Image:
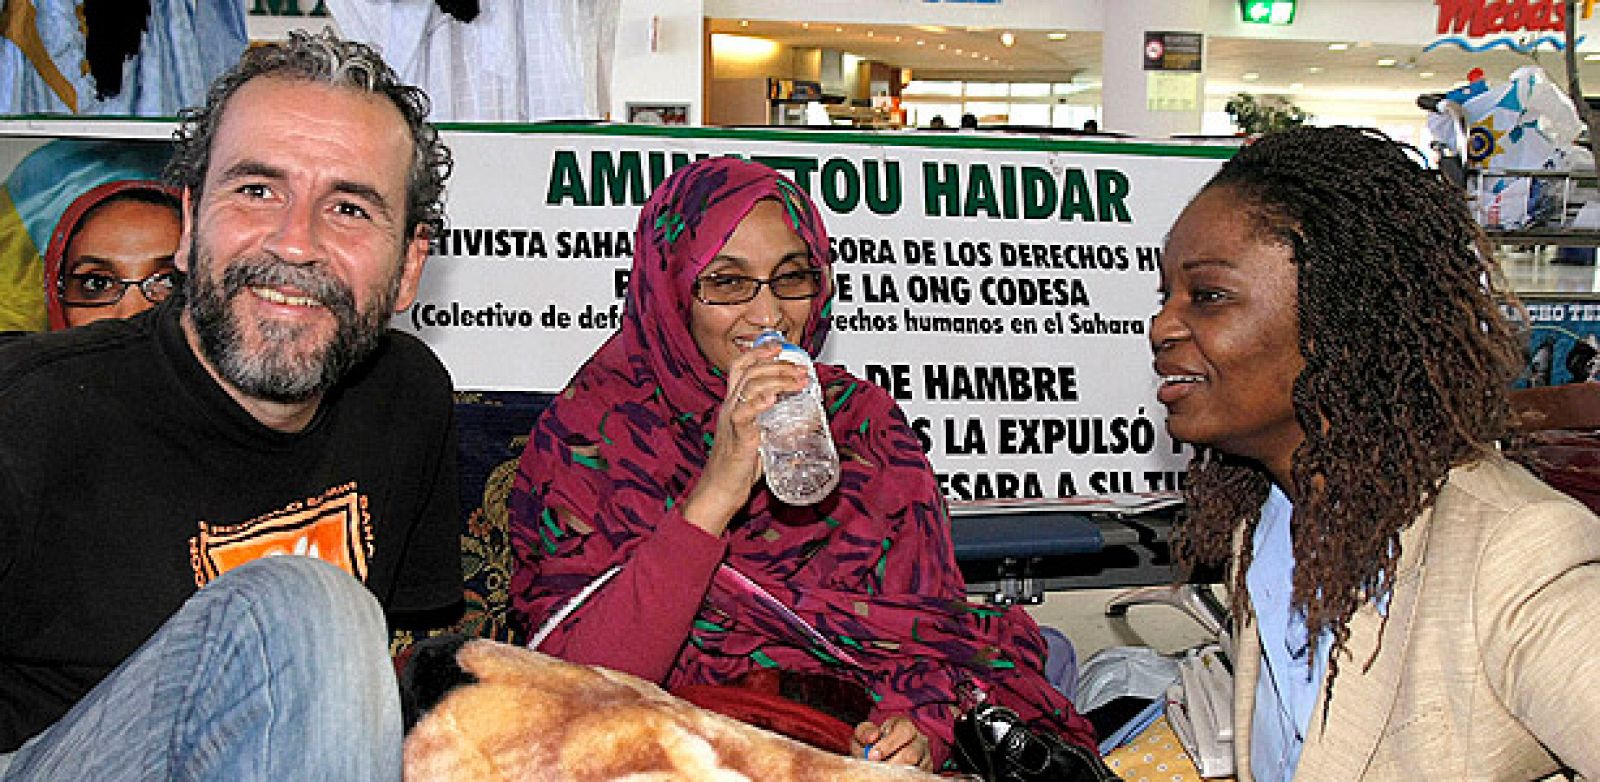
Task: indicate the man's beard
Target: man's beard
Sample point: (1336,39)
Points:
(280,369)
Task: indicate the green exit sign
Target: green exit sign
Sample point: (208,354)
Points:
(1267,11)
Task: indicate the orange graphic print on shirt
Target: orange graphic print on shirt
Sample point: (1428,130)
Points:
(332,527)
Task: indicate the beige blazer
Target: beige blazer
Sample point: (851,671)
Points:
(1489,666)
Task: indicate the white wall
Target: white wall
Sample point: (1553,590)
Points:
(673,72)
(1125,84)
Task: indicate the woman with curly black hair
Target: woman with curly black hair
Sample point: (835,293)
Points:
(1410,604)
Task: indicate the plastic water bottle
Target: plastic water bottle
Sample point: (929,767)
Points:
(797,453)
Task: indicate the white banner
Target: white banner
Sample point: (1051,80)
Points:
(999,287)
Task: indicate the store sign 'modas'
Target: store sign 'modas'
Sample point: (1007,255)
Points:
(1491,17)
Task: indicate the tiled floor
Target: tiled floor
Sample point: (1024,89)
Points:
(1533,271)
(1080,613)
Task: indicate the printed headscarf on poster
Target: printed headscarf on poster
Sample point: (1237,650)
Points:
(1503,132)
(34,196)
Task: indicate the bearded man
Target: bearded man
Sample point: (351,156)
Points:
(211,513)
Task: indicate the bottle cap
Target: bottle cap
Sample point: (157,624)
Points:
(771,335)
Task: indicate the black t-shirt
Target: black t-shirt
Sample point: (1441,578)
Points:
(128,478)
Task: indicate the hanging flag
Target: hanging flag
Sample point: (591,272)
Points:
(45,59)
(516,61)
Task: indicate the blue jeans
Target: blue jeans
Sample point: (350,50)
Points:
(278,670)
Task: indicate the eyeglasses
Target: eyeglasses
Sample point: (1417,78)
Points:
(738,289)
(95,289)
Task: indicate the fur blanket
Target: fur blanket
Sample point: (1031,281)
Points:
(488,711)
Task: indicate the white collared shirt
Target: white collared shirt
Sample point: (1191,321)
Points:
(1287,689)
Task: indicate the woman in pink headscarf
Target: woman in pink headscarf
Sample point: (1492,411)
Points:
(646,541)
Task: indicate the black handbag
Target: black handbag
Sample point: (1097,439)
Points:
(995,744)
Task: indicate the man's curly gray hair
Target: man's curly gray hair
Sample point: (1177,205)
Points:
(323,58)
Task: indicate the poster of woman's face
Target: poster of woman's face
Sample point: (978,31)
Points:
(87,230)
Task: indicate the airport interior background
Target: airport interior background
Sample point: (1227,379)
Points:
(1083,75)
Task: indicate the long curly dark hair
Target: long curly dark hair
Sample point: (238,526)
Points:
(1408,357)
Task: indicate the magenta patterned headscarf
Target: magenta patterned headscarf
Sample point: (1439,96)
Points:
(683,226)
(871,567)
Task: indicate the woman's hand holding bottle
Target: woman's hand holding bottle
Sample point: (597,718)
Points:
(755,381)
